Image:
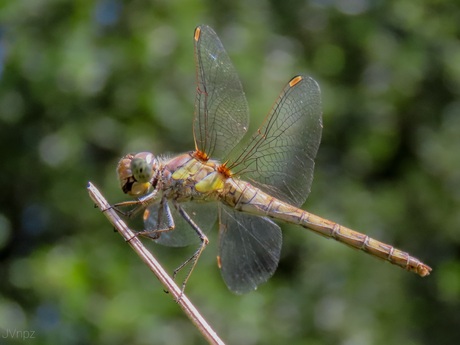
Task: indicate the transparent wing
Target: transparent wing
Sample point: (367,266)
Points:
(280,156)
(221,110)
(249,248)
(203,214)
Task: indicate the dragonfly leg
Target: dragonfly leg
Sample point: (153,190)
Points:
(139,204)
(155,233)
(194,258)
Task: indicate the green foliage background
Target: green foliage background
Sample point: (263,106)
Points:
(83,82)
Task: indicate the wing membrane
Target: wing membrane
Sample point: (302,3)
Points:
(249,248)
(221,110)
(280,156)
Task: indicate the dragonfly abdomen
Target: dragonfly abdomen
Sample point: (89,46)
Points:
(253,200)
(364,242)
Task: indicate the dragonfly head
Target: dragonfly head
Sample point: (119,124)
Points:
(136,173)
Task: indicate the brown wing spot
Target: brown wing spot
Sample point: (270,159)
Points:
(294,81)
(197,33)
(219,263)
(146,214)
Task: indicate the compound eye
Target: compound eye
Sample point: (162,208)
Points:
(142,169)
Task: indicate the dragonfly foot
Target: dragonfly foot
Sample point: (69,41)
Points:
(131,238)
(104,209)
(180,296)
(151,234)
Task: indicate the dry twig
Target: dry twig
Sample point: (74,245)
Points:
(154,266)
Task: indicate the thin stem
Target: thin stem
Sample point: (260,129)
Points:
(181,299)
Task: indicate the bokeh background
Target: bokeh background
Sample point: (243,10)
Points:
(84,82)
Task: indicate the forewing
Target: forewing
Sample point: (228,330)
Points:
(203,214)
(280,156)
(221,110)
(249,248)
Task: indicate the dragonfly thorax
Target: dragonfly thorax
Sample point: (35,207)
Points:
(136,172)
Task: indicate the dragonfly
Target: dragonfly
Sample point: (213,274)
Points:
(247,187)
